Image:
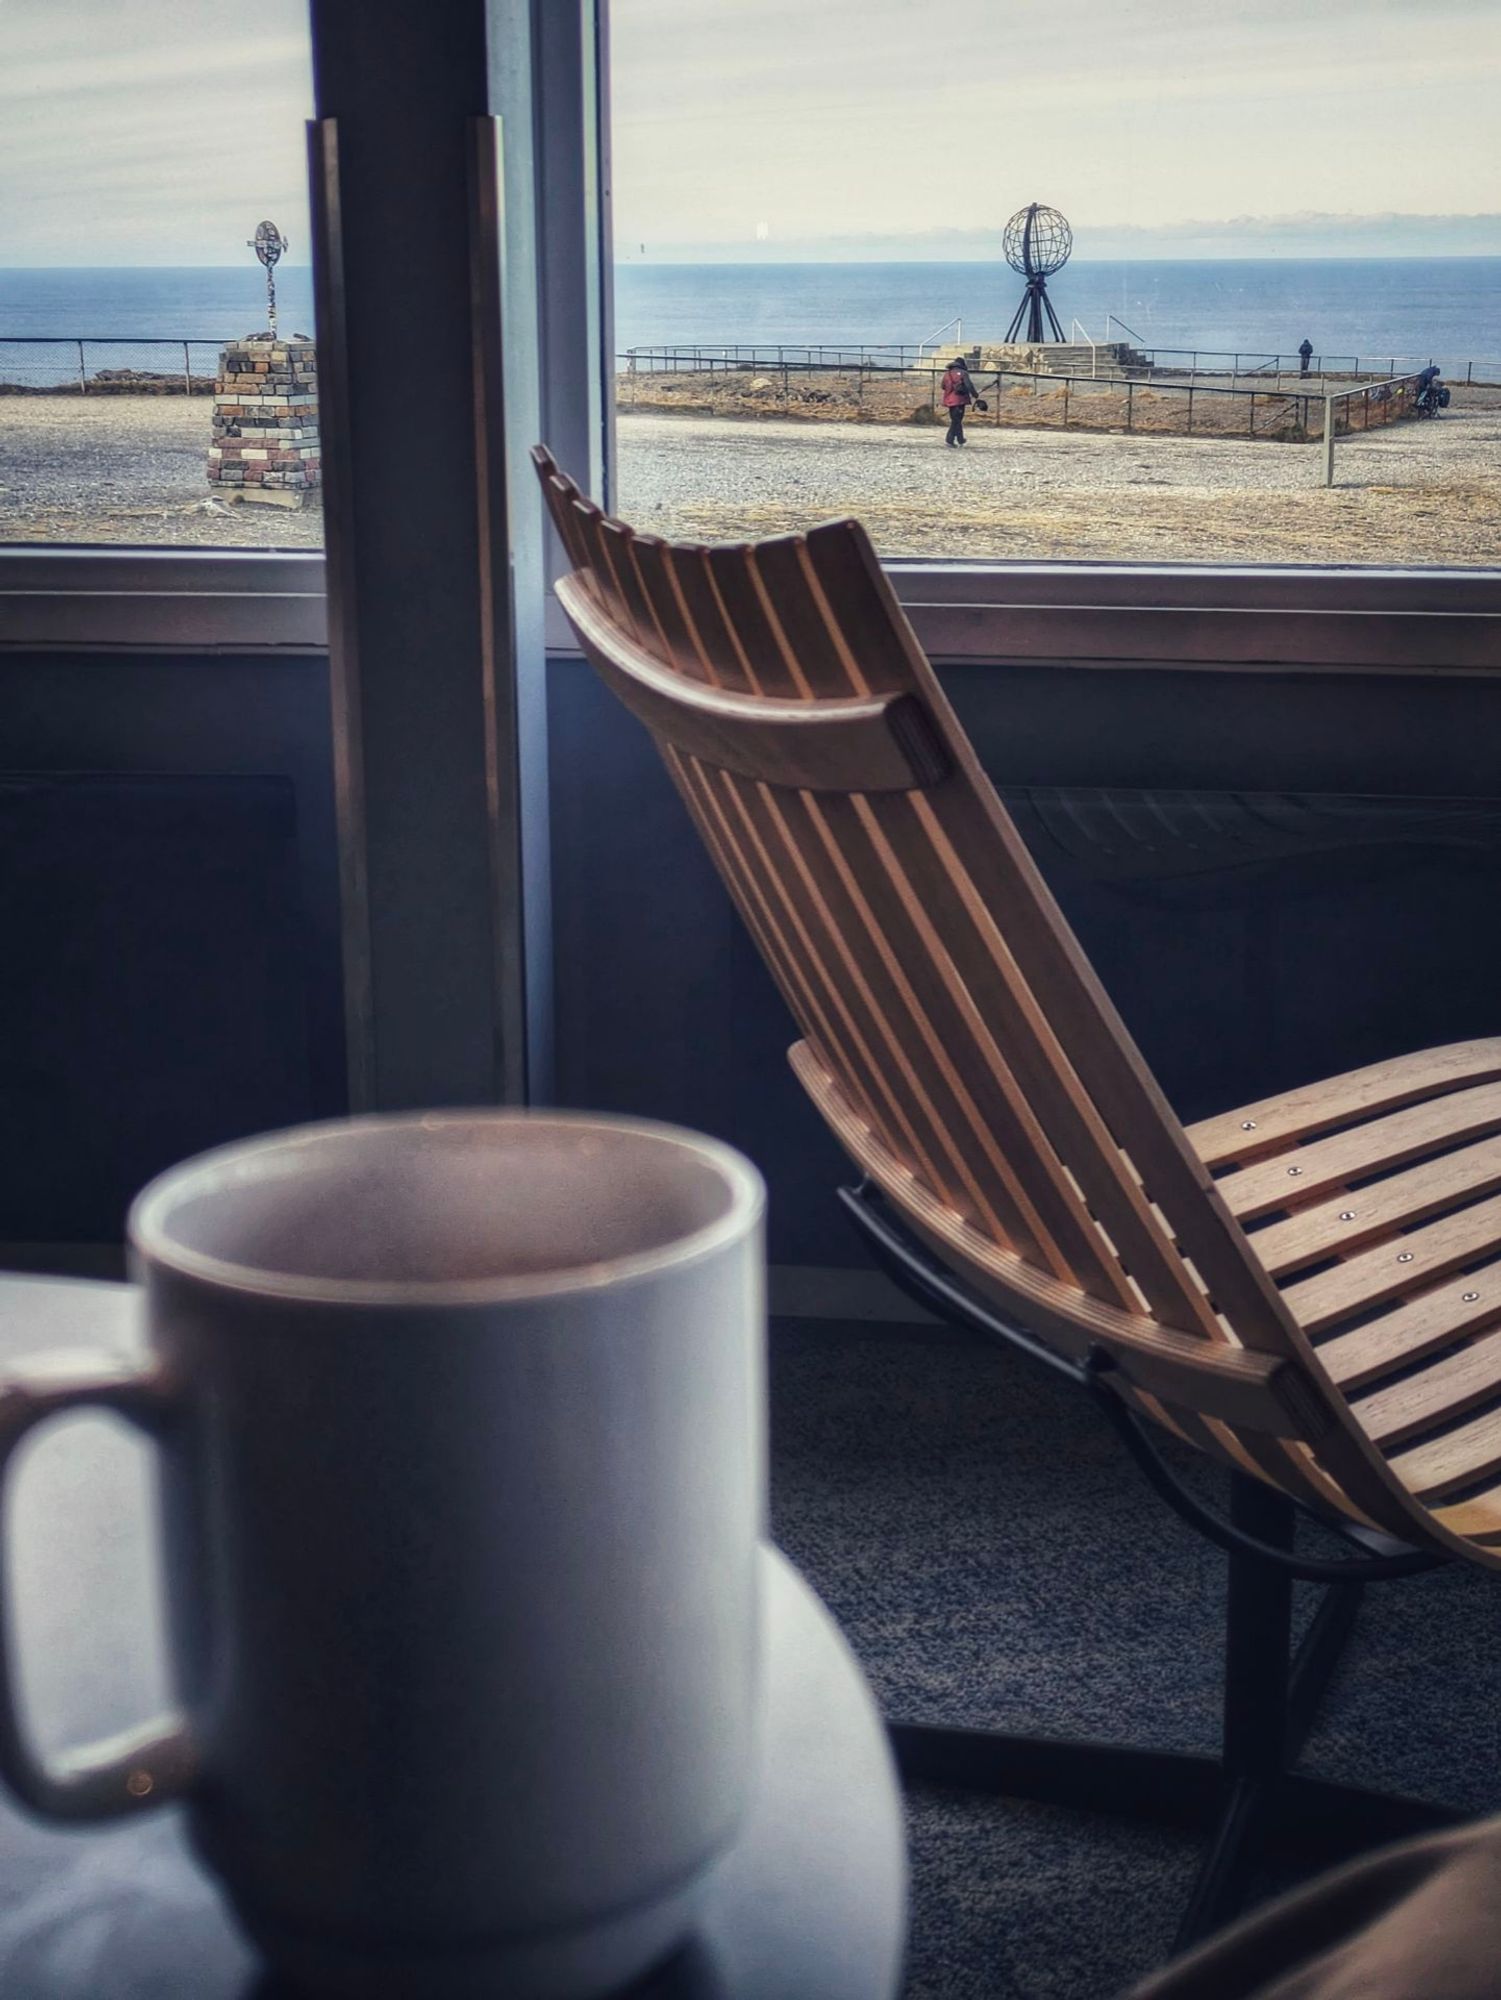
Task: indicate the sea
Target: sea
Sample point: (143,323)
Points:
(1376,310)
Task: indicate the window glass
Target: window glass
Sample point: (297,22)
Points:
(140,147)
(1173,245)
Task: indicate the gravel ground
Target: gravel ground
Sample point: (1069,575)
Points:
(128,469)
(1420,492)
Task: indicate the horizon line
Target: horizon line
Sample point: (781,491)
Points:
(666,263)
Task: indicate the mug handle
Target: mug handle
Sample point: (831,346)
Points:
(140,1767)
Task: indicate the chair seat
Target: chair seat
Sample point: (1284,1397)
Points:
(1374,1201)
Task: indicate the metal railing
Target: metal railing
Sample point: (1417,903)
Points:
(185,365)
(1478,371)
(1281,411)
(934,338)
(765,356)
(1192,361)
(1378,403)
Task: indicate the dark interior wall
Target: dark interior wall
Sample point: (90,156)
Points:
(1278,876)
(169,915)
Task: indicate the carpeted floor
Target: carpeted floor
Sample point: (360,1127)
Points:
(994,1560)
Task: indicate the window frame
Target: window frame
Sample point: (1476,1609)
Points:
(206,601)
(1314,617)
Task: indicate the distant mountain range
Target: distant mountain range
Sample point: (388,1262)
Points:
(1310,233)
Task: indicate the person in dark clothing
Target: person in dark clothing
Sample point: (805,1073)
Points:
(958,393)
(1305,354)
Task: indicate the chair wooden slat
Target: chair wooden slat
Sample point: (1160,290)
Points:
(819,1007)
(880,743)
(588,524)
(560,500)
(873,1058)
(932,1008)
(1348,1221)
(959,1044)
(945,847)
(942,909)
(1360,1093)
(794,600)
(1361,1150)
(773,666)
(1413,1328)
(683,649)
(899,1034)
(1399,1265)
(1447,1464)
(1447,1388)
(1258,1393)
(619,543)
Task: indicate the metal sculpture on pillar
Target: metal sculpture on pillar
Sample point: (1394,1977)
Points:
(1037,243)
(268,243)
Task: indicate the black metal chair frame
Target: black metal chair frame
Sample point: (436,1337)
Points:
(1249,1799)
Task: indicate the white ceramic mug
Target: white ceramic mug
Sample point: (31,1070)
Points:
(461,1430)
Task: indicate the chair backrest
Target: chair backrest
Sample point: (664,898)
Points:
(954,1034)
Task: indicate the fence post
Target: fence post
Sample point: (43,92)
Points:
(1066,380)
(1251,426)
(1328,440)
(187,371)
(83,373)
(1190,409)
(1130,387)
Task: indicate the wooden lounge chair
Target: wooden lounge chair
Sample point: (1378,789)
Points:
(1308,1289)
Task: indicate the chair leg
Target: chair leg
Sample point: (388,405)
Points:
(1256,1708)
(1247,1799)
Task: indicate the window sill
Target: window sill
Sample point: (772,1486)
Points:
(161,600)
(1086,614)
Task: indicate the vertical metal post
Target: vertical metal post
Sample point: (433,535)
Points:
(1066,381)
(1130,388)
(187,371)
(1190,409)
(83,374)
(1251,426)
(1328,440)
(424,681)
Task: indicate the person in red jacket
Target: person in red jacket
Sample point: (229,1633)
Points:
(958,394)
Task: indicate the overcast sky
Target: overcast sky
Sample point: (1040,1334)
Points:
(160,131)
(863,123)
(150,131)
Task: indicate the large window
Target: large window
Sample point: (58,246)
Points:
(139,149)
(1282,220)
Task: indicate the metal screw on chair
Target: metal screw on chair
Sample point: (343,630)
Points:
(1404,1256)
(1248,1125)
(1469,1297)
(1295,1171)
(1347,1215)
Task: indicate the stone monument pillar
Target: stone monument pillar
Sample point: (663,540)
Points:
(264,444)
